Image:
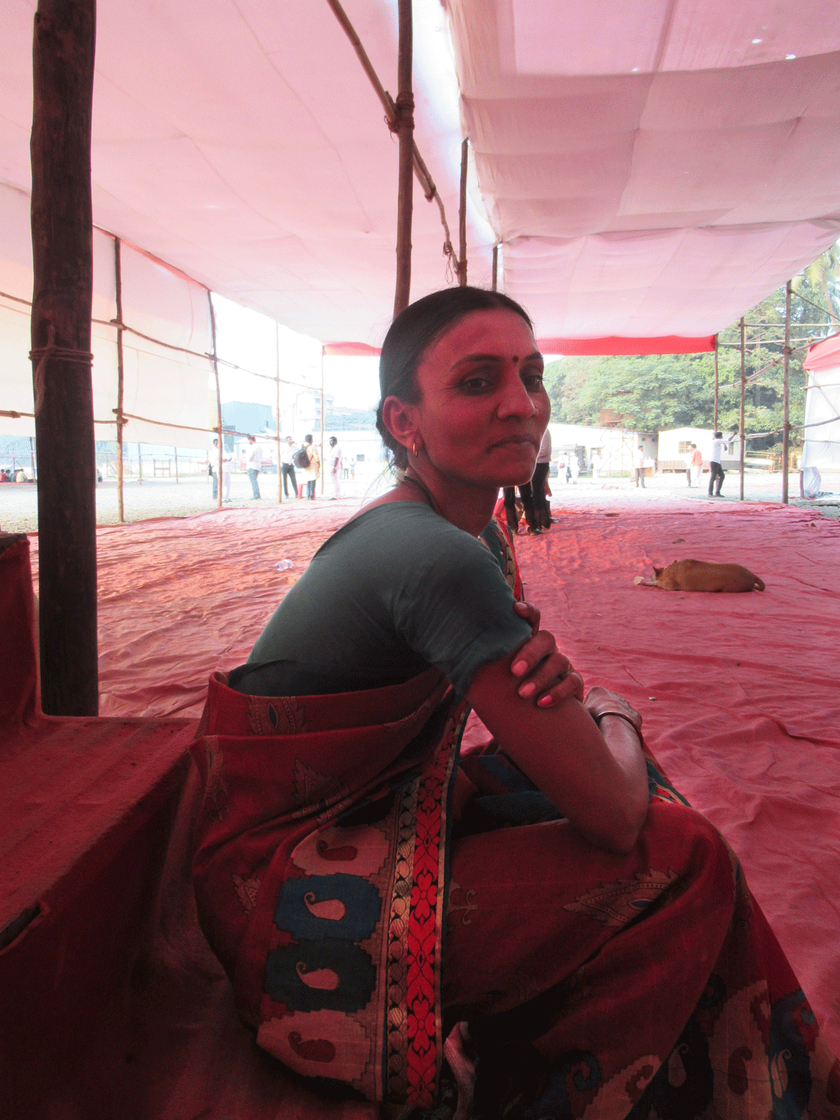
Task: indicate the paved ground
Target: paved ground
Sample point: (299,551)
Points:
(167,498)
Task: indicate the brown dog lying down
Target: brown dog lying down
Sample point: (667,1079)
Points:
(702,575)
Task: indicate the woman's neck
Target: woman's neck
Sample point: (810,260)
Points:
(468,507)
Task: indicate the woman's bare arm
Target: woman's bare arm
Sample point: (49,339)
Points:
(597,778)
(545,675)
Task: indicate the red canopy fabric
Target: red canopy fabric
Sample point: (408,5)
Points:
(669,344)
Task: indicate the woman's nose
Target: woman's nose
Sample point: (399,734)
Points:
(515,399)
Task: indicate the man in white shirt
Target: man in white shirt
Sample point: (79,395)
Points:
(335,467)
(717,474)
(287,466)
(214,471)
(639,465)
(253,463)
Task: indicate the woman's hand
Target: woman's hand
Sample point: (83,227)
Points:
(602,702)
(547,674)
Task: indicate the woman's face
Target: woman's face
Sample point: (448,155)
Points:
(483,408)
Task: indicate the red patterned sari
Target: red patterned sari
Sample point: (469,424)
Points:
(366,892)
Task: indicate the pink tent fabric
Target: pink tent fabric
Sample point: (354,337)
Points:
(648,169)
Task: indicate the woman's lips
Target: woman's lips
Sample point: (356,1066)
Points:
(516,441)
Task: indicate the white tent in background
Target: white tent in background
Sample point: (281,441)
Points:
(822,407)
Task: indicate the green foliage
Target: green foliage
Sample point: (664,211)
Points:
(659,392)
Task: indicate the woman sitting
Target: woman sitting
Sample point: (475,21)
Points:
(550,905)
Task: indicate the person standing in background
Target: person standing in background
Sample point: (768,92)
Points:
(639,466)
(716,471)
(253,465)
(314,465)
(539,483)
(287,466)
(214,469)
(335,468)
(696,465)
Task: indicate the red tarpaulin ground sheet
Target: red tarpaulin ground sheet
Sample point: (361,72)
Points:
(738,692)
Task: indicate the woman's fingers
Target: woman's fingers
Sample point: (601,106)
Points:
(547,674)
(530,613)
(601,701)
(530,656)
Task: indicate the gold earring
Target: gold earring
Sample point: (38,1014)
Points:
(415,450)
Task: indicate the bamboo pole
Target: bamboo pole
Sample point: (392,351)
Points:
(786,414)
(405,132)
(277,411)
(743,394)
(323,457)
(120,381)
(462,215)
(62,254)
(420,169)
(214,358)
(495,281)
(717,386)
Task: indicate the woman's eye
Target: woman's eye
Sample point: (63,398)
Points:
(533,379)
(476,384)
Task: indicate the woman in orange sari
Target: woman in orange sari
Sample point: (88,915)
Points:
(584,939)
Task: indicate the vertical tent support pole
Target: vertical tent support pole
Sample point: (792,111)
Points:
(277,411)
(743,394)
(786,426)
(62,254)
(462,215)
(215,359)
(717,378)
(495,268)
(120,381)
(322,422)
(405,131)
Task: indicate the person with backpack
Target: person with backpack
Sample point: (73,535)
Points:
(313,464)
(288,450)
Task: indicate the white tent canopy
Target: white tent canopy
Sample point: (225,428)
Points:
(651,169)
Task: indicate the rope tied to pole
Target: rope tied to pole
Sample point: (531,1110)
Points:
(403,115)
(65,354)
(42,354)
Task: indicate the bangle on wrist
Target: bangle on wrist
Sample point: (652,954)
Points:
(636,724)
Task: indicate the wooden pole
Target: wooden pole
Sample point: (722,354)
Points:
(215,359)
(743,395)
(785,423)
(495,268)
(462,215)
(717,376)
(277,409)
(120,381)
(405,132)
(62,255)
(323,410)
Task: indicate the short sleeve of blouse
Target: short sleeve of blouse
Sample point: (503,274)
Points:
(454,606)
